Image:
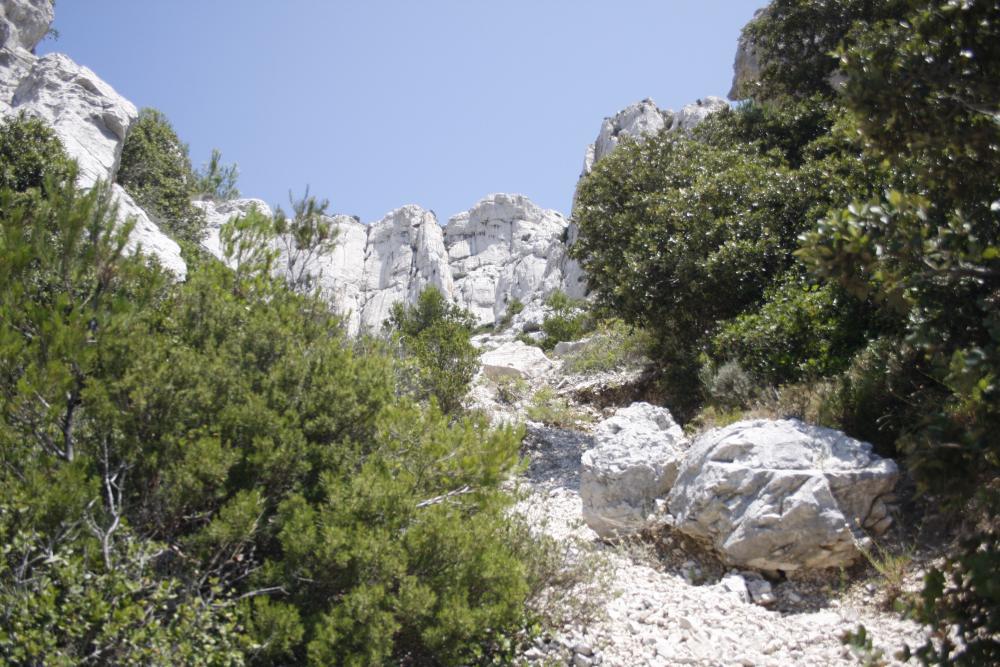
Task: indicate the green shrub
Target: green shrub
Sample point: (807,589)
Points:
(569,320)
(30,155)
(613,345)
(217,181)
(511,389)
(156,171)
(551,409)
(728,385)
(439,357)
(801,331)
(207,472)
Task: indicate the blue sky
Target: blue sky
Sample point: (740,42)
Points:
(381,103)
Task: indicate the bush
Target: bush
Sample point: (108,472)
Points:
(207,472)
(551,409)
(801,331)
(569,320)
(614,345)
(216,181)
(30,155)
(156,171)
(728,386)
(435,338)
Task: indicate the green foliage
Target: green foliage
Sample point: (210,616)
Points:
(514,307)
(960,601)
(305,237)
(215,180)
(801,331)
(551,409)
(568,321)
(728,386)
(156,171)
(439,357)
(209,473)
(613,345)
(30,155)
(795,41)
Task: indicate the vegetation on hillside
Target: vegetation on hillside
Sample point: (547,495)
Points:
(839,231)
(212,473)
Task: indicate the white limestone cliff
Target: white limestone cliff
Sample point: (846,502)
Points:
(86,114)
(644,119)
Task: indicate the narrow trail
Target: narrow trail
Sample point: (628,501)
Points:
(664,601)
(672,608)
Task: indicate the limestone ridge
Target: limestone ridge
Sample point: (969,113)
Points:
(643,119)
(86,113)
(503,248)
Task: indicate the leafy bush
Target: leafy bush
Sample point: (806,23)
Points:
(613,345)
(435,337)
(801,331)
(728,386)
(156,171)
(208,473)
(569,320)
(30,155)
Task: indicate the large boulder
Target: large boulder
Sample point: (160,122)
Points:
(781,495)
(515,359)
(634,462)
(87,115)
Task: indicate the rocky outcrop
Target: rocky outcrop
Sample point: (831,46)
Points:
(644,119)
(633,464)
(23,23)
(504,248)
(746,66)
(781,495)
(89,117)
(515,359)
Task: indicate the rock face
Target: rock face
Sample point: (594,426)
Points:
(781,495)
(515,359)
(89,117)
(633,464)
(746,67)
(23,23)
(504,248)
(643,119)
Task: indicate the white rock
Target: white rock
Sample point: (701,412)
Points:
(569,347)
(644,119)
(735,586)
(23,23)
(219,213)
(694,114)
(87,115)
(404,253)
(634,462)
(779,495)
(505,248)
(515,359)
(146,237)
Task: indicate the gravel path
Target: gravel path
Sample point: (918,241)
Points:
(670,606)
